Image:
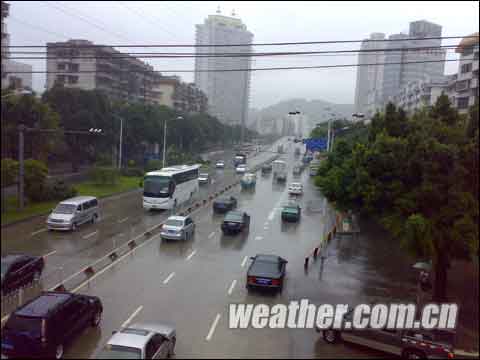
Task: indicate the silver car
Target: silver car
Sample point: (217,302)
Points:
(73,212)
(178,228)
(140,341)
(203,178)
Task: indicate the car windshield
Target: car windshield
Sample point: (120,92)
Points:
(156,186)
(290,209)
(119,352)
(203,175)
(176,223)
(234,217)
(5,266)
(64,209)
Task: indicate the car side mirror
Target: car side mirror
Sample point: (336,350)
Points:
(252,257)
(114,332)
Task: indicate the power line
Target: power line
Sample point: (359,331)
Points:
(84,19)
(233,70)
(253,44)
(232,55)
(36,27)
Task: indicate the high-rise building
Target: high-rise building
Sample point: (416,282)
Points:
(410,64)
(467,78)
(404,64)
(227,92)
(369,77)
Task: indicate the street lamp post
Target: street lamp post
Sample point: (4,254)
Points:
(165,137)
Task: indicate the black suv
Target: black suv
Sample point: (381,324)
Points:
(42,326)
(235,222)
(19,270)
(224,204)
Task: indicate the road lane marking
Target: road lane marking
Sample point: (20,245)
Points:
(123,220)
(258,238)
(211,235)
(212,328)
(50,253)
(190,256)
(265,228)
(244,261)
(234,282)
(121,234)
(169,277)
(38,232)
(130,318)
(91,234)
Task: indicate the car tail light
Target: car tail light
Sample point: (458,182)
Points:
(450,354)
(252,279)
(276,282)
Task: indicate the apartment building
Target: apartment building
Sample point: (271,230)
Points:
(183,97)
(84,65)
(466,86)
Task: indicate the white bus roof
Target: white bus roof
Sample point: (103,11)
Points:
(279,162)
(172,170)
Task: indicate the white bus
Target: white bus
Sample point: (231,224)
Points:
(169,187)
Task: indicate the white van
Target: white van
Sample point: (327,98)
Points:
(71,213)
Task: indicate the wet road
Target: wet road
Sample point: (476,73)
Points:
(122,218)
(190,284)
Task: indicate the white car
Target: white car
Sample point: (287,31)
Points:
(220,164)
(295,189)
(203,178)
(140,341)
(241,169)
(178,228)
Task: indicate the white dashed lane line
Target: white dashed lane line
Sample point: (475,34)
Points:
(190,256)
(38,232)
(169,277)
(213,327)
(130,318)
(245,259)
(232,286)
(123,220)
(90,235)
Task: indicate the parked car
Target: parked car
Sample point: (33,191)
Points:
(266,271)
(224,204)
(295,189)
(178,228)
(291,212)
(220,164)
(140,341)
(409,344)
(241,169)
(73,212)
(235,222)
(46,324)
(19,270)
(297,170)
(203,178)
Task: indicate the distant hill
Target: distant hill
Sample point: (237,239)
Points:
(315,111)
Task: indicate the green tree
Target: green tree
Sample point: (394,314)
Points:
(35,180)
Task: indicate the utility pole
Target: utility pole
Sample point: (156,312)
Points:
(21,172)
(328,135)
(164,140)
(121,143)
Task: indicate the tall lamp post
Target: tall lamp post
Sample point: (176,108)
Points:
(120,141)
(165,137)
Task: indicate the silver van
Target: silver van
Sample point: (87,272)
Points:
(73,212)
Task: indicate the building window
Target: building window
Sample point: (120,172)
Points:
(74,67)
(462,103)
(466,68)
(462,85)
(475,56)
(467,51)
(61,67)
(73,79)
(61,78)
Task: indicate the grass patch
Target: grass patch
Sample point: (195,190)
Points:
(84,188)
(124,184)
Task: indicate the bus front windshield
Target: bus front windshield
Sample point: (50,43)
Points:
(157,186)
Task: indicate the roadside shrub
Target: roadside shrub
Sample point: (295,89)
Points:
(104,160)
(131,163)
(154,164)
(9,172)
(102,175)
(59,190)
(35,180)
(132,171)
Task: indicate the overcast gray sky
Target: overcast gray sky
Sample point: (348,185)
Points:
(170,22)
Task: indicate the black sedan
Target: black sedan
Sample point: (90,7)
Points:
(235,222)
(266,271)
(20,270)
(224,204)
(266,168)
